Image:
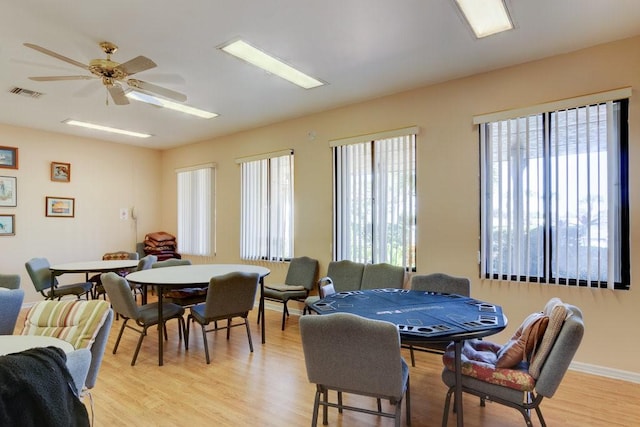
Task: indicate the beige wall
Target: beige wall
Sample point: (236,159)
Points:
(447,182)
(104,178)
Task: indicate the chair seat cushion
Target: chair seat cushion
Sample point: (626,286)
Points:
(72,289)
(285,288)
(77,322)
(479,361)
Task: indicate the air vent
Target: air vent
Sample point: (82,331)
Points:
(25,92)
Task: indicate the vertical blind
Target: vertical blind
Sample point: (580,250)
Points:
(374,199)
(195,207)
(267,208)
(552,188)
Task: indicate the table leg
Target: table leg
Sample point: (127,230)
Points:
(458,390)
(261,309)
(160,326)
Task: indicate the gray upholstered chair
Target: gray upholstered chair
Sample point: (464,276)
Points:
(382,275)
(171,262)
(299,281)
(229,296)
(352,354)
(323,283)
(345,275)
(10,281)
(10,305)
(38,269)
(145,316)
(441,283)
(527,385)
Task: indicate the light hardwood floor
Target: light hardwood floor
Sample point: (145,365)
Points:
(269,387)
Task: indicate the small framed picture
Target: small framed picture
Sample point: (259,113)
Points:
(60,172)
(8,157)
(63,207)
(7,225)
(8,191)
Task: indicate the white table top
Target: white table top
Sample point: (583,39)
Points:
(100,265)
(15,343)
(199,274)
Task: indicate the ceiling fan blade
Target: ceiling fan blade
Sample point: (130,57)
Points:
(56,55)
(117,94)
(155,89)
(136,65)
(55,78)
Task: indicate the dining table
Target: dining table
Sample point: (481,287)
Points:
(195,275)
(91,267)
(423,316)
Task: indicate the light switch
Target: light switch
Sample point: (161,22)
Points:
(124,213)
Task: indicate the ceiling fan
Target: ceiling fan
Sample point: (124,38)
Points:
(114,76)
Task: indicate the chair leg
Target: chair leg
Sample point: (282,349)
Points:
(115,348)
(340,402)
(186,332)
(316,404)
(135,354)
(206,344)
(447,402)
(413,357)
(228,328)
(407,403)
(246,323)
(285,313)
(325,408)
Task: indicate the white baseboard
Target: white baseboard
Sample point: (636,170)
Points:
(604,371)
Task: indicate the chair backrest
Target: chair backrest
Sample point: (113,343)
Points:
(120,295)
(10,305)
(442,283)
(146,262)
(10,281)
(302,272)
(83,324)
(231,294)
(346,275)
(172,262)
(353,354)
(120,255)
(561,354)
(382,275)
(38,269)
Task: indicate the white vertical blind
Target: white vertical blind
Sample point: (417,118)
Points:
(195,207)
(552,199)
(375,201)
(267,208)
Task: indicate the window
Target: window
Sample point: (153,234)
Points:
(267,207)
(195,207)
(555,196)
(375,198)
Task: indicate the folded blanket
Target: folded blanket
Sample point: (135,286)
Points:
(159,236)
(36,389)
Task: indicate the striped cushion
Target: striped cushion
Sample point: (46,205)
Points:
(76,322)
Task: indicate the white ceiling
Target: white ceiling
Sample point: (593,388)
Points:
(363,49)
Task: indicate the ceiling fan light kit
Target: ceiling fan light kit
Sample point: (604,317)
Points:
(113,75)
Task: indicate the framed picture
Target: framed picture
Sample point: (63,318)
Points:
(8,157)
(8,191)
(60,172)
(7,225)
(60,207)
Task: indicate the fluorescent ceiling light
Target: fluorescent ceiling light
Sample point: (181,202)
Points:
(160,102)
(243,50)
(486,17)
(105,128)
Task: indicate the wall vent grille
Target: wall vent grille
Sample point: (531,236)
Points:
(25,92)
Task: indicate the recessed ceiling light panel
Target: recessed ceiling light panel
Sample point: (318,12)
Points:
(485,17)
(243,50)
